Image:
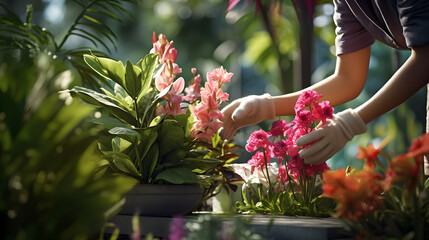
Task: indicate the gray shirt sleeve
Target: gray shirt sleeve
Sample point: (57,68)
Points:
(414,17)
(351,35)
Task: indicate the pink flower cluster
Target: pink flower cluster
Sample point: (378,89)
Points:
(280,141)
(206,113)
(167,56)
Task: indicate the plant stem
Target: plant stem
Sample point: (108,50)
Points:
(268,175)
(140,124)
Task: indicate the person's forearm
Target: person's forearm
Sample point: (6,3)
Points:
(411,77)
(344,85)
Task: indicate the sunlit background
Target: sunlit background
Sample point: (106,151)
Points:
(206,36)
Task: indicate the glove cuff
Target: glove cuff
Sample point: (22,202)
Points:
(351,123)
(270,109)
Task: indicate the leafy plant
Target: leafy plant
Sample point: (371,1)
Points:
(150,136)
(48,180)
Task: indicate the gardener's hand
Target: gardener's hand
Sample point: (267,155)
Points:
(331,137)
(246,111)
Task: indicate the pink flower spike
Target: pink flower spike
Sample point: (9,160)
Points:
(178,86)
(171,55)
(220,75)
(193,90)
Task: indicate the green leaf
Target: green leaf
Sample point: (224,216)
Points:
(200,165)
(108,68)
(109,122)
(133,80)
(149,163)
(178,175)
(105,101)
(119,144)
(174,156)
(147,66)
(157,120)
(125,133)
(148,137)
(171,136)
(124,163)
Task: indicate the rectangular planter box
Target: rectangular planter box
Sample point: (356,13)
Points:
(283,227)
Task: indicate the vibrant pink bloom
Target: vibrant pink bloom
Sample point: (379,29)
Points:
(282,175)
(323,111)
(280,149)
(306,99)
(311,170)
(304,118)
(257,139)
(279,128)
(257,161)
(295,167)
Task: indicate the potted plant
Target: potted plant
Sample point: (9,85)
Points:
(154,132)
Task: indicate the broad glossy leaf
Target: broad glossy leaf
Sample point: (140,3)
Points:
(150,162)
(200,165)
(171,136)
(108,68)
(174,157)
(178,175)
(124,163)
(147,66)
(133,78)
(119,144)
(148,137)
(125,133)
(105,101)
(110,122)
(156,121)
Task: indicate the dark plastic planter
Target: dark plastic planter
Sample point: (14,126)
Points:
(162,200)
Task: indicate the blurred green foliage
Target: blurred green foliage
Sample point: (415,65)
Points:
(49,184)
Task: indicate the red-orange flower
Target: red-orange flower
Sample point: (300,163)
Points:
(419,147)
(370,154)
(356,194)
(405,167)
(402,169)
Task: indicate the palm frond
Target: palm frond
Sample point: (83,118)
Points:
(91,23)
(15,34)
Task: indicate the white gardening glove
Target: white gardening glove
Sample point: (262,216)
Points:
(246,111)
(331,137)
